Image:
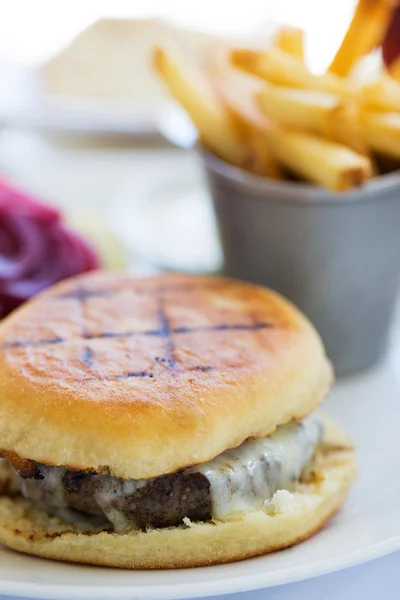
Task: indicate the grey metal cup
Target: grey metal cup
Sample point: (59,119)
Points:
(336,256)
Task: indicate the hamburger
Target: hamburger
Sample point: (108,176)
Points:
(164,422)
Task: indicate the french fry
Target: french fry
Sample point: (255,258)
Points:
(245,59)
(237,91)
(294,150)
(192,90)
(328,164)
(366,30)
(290,40)
(281,68)
(382,132)
(382,93)
(345,128)
(263,110)
(318,112)
(306,109)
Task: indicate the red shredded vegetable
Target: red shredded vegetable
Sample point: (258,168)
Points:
(36,248)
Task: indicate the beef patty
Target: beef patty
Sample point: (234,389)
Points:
(238,480)
(160,502)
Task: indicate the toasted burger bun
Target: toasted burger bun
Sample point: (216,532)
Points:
(144,376)
(291,519)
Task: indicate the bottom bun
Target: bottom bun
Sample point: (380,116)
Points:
(291,518)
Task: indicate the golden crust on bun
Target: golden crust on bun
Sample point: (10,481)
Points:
(143,376)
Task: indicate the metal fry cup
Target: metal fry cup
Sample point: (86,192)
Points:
(336,256)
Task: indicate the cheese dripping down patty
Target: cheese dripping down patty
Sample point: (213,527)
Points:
(239,480)
(244,479)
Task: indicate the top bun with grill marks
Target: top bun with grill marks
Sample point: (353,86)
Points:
(143,376)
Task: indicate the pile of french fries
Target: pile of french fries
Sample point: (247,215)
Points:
(264,111)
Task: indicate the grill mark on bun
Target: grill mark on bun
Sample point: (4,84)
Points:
(27,343)
(133,374)
(164,360)
(83,294)
(196,368)
(166,332)
(223,327)
(112,334)
(87,356)
(181,330)
(169,360)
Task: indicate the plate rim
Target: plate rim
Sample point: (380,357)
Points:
(218,587)
(43,111)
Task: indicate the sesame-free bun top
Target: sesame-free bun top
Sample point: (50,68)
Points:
(144,376)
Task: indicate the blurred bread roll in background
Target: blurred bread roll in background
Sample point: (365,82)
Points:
(110,59)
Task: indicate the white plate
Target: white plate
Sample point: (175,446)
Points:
(24,104)
(367,527)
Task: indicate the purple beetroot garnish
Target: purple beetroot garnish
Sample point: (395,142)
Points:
(36,248)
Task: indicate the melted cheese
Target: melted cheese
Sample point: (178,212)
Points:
(49,492)
(242,479)
(245,478)
(111,489)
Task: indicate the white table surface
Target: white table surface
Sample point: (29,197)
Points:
(85,177)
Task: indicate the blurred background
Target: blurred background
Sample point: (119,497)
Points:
(31,32)
(87,127)
(87,153)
